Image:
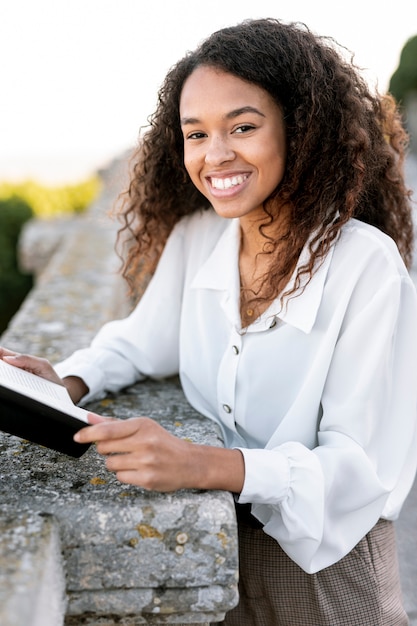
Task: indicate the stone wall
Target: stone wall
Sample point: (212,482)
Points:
(77,546)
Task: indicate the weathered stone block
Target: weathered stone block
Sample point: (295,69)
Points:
(128,551)
(32,586)
(131,556)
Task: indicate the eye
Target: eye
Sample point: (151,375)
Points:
(244,128)
(196,135)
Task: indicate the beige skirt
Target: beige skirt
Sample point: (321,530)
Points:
(362,589)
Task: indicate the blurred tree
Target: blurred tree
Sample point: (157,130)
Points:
(403,86)
(404,78)
(18,203)
(14,285)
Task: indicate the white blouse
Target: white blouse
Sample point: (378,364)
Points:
(320,397)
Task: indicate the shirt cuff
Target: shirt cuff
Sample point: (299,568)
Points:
(267,476)
(92,377)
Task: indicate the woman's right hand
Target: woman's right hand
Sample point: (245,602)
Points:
(34,364)
(42,367)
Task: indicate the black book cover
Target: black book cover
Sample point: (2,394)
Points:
(48,424)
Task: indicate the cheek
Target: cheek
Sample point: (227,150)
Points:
(276,164)
(188,161)
(191,166)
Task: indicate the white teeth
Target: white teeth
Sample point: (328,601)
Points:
(226,183)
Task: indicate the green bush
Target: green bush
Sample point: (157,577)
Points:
(404,79)
(14,285)
(50,201)
(18,203)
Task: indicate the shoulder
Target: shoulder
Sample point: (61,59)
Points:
(201,229)
(202,220)
(194,238)
(365,248)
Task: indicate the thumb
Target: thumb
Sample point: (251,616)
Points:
(94,418)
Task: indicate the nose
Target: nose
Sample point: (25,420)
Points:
(219,151)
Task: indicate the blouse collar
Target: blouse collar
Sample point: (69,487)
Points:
(220,272)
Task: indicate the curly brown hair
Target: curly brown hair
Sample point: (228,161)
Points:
(345,149)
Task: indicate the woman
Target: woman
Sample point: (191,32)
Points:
(265,200)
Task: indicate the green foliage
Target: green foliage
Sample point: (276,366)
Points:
(14,285)
(404,78)
(18,203)
(50,201)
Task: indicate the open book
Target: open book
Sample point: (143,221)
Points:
(38,410)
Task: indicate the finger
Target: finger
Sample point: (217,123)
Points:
(132,477)
(134,435)
(33,364)
(146,481)
(5,352)
(128,468)
(123,462)
(94,418)
(107,430)
(13,359)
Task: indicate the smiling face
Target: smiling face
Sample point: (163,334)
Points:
(234,141)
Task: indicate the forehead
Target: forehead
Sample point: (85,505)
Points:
(209,89)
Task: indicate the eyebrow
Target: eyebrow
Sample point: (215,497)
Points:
(229,116)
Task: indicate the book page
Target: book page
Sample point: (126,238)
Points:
(40,389)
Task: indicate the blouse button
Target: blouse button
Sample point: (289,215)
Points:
(227,408)
(235,349)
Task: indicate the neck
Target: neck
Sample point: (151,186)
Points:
(256,231)
(255,260)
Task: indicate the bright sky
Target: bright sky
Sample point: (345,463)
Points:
(79,77)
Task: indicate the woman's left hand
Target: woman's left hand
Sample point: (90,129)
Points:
(141,452)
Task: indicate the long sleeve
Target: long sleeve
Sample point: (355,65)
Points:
(320,395)
(143,344)
(319,502)
(147,342)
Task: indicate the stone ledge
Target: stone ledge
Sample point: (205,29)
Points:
(79,290)
(40,239)
(32,585)
(130,556)
(128,551)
